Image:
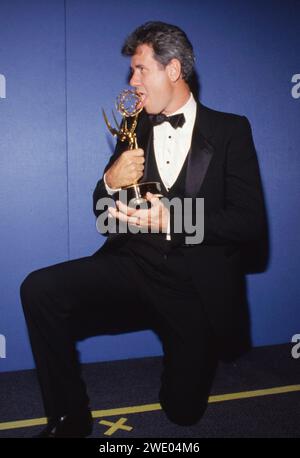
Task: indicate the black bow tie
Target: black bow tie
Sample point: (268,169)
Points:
(176,120)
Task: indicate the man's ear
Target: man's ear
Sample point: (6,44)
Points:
(174,70)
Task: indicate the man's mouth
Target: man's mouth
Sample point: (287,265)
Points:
(142,97)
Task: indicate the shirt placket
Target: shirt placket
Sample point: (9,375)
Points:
(168,155)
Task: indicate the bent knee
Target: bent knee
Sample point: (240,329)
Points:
(35,283)
(183,412)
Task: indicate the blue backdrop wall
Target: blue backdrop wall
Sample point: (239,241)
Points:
(60,63)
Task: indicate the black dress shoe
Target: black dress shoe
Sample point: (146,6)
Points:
(71,425)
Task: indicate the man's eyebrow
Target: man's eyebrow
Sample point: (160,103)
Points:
(137,66)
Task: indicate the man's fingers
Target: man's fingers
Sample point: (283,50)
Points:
(138,152)
(152,198)
(135,152)
(112,212)
(124,208)
(139,160)
(123,217)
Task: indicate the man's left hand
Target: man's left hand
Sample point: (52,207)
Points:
(155,218)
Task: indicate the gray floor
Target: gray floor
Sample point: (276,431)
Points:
(136,382)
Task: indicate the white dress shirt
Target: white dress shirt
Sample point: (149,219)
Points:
(171,146)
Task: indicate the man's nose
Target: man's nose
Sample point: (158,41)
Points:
(134,81)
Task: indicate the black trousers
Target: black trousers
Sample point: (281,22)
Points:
(111,293)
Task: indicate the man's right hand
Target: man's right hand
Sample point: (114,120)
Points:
(126,170)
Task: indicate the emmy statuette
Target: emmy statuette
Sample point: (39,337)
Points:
(129,104)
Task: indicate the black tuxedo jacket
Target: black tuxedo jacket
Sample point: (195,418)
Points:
(223,169)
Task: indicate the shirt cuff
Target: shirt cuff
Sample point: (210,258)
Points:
(168,236)
(109,190)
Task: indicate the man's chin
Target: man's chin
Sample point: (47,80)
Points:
(151,112)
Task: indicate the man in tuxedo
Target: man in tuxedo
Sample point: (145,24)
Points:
(191,294)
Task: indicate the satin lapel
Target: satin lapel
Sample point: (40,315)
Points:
(200,154)
(145,138)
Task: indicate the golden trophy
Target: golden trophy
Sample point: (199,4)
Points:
(129,105)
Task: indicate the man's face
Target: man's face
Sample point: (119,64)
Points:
(151,80)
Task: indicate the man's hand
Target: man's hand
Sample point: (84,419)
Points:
(155,218)
(126,170)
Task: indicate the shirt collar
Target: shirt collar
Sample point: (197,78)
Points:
(188,109)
